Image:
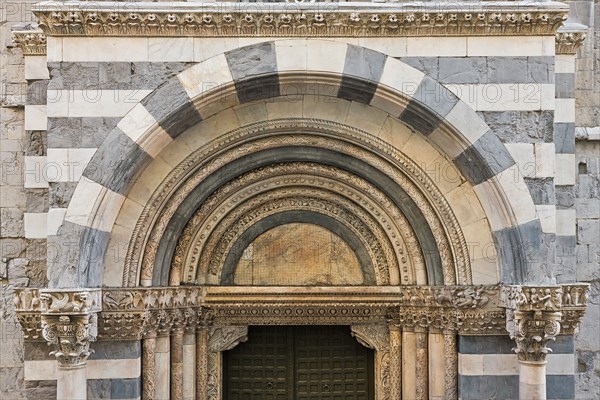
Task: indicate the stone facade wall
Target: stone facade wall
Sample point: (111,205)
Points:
(33,204)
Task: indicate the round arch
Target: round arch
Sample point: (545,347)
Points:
(229,79)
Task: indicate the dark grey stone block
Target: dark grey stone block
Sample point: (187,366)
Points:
(566,246)
(435,97)
(507,69)
(564,137)
(258,88)
(565,196)
(564,344)
(517,248)
(37,92)
(112,75)
(37,143)
(488,387)
(172,108)
(60,193)
(560,387)
(362,71)
(63,256)
(565,86)
(125,388)
(521,126)
(40,390)
(419,118)
(463,70)
(485,345)
(542,190)
(98,389)
(486,158)
(540,69)
(427,65)
(116,350)
(117,163)
(75,132)
(364,63)
(588,186)
(253,60)
(90,266)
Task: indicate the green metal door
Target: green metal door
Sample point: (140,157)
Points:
(298,363)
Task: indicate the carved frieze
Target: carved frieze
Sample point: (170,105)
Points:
(272,19)
(135,313)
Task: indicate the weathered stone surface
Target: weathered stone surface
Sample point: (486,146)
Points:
(521,126)
(488,387)
(362,70)
(486,158)
(565,86)
(11,383)
(565,196)
(87,132)
(116,164)
(36,351)
(37,200)
(37,144)
(60,193)
(463,70)
(172,108)
(588,231)
(588,186)
(116,350)
(427,65)
(507,69)
(542,190)
(40,389)
(588,208)
(37,92)
(125,388)
(256,59)
(63,256)
(564,138)
(11,223)
(98,389)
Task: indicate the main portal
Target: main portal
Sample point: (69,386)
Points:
(299,363)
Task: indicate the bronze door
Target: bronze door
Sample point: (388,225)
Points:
(298,363)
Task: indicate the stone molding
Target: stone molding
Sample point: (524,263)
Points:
(534,315)
(299,20)
(32,42)
(131,314)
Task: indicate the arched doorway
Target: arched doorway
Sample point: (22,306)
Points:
(299,362)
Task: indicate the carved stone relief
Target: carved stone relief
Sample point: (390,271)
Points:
(443,223)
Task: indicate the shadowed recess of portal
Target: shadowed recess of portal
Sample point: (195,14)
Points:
(175,227)
(287,217)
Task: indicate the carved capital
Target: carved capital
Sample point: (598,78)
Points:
(223,338)
(32,42)
(375,337)
(569,42)
(70,336)
(534,315)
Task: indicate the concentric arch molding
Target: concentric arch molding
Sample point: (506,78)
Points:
(216,19)
(272,135)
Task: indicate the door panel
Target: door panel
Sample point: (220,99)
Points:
(299,363)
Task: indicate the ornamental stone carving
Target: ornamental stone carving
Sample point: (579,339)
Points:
(32,42)
(318,19)
(534,316)
(569,42)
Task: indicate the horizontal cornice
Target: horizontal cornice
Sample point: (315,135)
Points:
(215,19)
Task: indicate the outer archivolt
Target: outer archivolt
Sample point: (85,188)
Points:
(352,144)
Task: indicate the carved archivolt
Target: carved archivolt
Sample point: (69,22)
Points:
(313,133)
(209,234)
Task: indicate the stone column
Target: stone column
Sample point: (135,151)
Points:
(396,362)
(202,362)
(69,324)
(148,367)
(532,320)
(177,365)
(422,369)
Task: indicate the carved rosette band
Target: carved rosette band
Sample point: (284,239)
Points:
(308,20)
(68,321)
(534,315)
